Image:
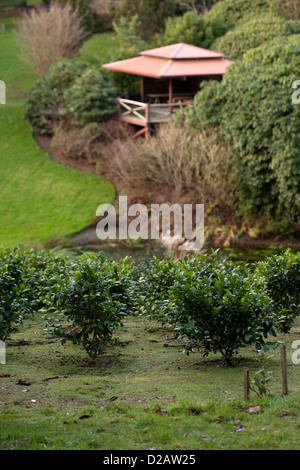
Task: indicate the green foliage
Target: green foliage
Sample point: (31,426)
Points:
(25,277)
(192,28)
(94,297)
(46,96)
(151,14)
(232,11)
(219,307)
(90,98)
(281,275)
(250,34)
(11,289)
(130,45)
(152,288)
(257,116)
(69,88)
(216,305)
(261,378)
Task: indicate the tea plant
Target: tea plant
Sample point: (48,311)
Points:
(281,275)
(94,298)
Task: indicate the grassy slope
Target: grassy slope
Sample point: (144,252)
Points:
(99,48)
(148,371)
(40,199)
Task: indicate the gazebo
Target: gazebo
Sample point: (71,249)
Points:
(170,78)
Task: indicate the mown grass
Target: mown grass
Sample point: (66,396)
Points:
(14,71)
(139,395)
(40,200)
(98,49)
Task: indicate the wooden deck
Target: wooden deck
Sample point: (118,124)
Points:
(145,114)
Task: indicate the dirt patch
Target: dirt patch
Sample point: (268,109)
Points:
(80,164)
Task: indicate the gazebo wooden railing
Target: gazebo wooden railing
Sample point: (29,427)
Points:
(146,114)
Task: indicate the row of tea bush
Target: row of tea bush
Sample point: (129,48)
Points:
(211,303)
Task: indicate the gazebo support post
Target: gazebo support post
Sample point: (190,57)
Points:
(143,89)
(170,94)
(147,116)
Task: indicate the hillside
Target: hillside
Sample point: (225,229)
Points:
(40,199)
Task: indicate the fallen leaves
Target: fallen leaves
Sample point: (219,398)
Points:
(160,412)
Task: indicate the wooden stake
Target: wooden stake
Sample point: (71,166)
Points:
(284,370)
(246,384)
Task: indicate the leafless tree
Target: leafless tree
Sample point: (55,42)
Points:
(48,35)
(290,9)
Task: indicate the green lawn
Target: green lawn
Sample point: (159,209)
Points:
(40,199)
(13,71)
(115,402)
(98,49)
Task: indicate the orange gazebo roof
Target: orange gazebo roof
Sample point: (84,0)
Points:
(177,60)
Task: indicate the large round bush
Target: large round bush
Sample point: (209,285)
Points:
(69,88)
(91,97)
(192,28)
(252,108)
(232,11)
(250,34)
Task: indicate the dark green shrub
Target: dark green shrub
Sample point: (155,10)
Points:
(12,288)
(250,34)
(127,35)
(151,14)
(46,97)
(25,278)
(73,90)
(192,28)
(156,277)
(219,307)
(281,275)
(232,11)
(94,298)
(257,117)
(90,98)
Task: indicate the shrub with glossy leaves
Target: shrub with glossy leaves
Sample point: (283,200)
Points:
(93,298)
(25,278)
(220,307)
(281,275)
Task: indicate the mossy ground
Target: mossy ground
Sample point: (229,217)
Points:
(115,402)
